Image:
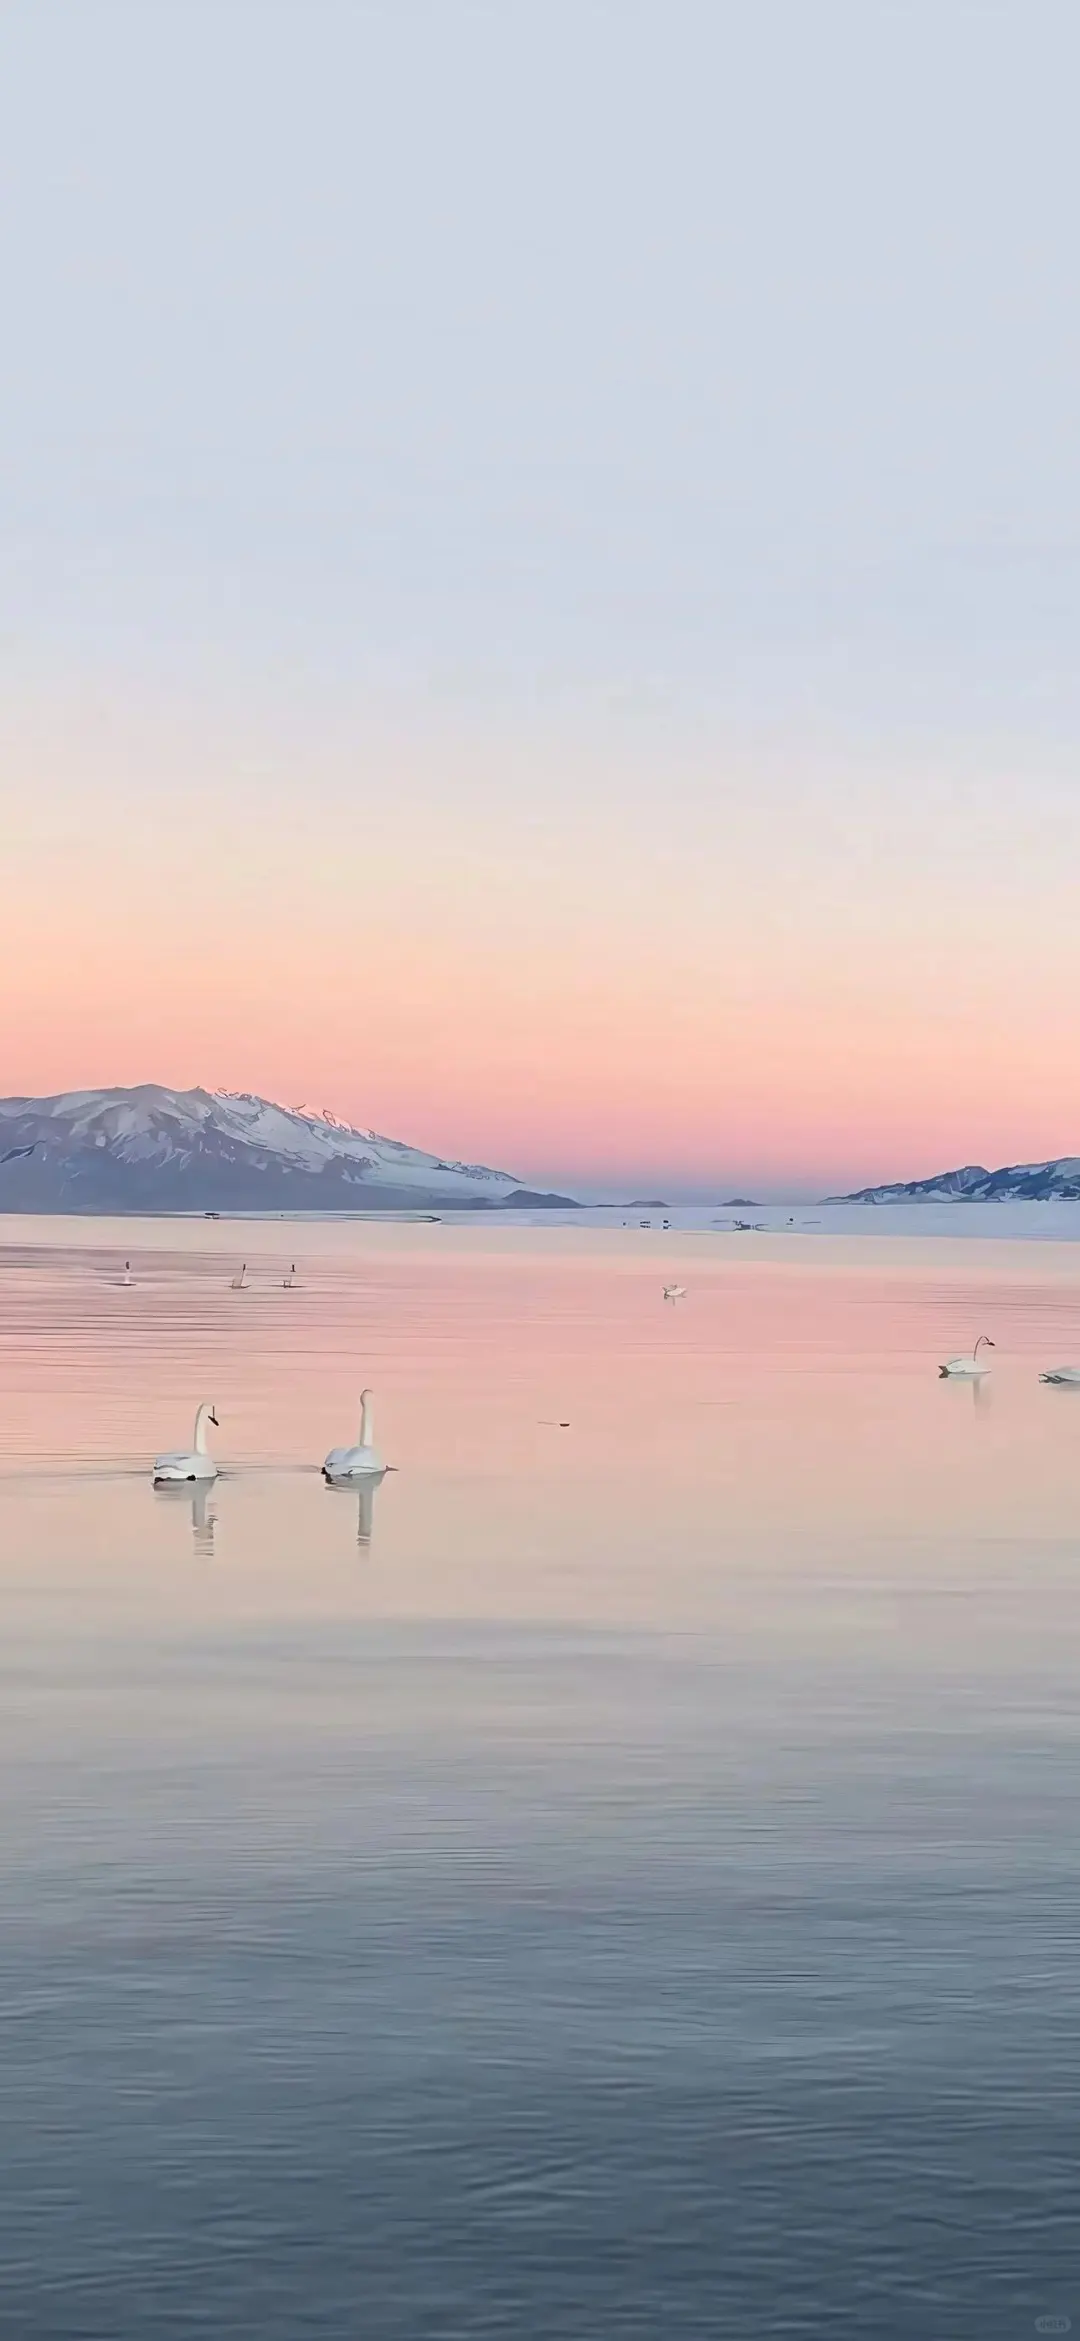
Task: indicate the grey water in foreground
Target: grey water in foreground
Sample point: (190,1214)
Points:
(589,1892)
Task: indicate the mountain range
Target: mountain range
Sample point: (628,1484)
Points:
(1031,1182)
(170,1150)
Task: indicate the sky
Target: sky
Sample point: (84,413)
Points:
(540,573)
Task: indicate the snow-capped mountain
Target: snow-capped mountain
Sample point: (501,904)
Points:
(152,1149)
(1033,1182)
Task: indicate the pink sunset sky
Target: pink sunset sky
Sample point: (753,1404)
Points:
(744,999)
(571,668)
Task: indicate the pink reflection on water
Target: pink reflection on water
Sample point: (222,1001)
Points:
(735,1459)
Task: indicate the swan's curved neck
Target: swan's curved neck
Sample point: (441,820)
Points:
(366,1438)
(200,1428)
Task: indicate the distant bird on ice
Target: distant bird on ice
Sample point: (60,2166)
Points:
(968,1368)
(239,1282)
(127,1277)
(288,1282)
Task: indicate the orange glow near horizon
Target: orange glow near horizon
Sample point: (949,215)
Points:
(583,998)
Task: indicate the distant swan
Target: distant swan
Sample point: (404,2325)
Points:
(197,1463)
(287,1282)
(239,1282)
(357,1462)
(127,1277)
(969,1368)
(674,1292)
(1069,1375)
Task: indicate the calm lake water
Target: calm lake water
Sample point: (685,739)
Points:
(623,1881)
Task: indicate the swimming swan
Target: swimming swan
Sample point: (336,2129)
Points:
(198,1463)
(969,1368)
(357,1462)
(289,1282)
(674,1292)
(1062,1374)
(127,1277)
(239,1282)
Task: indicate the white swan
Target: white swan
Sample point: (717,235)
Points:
(969,1368)
(198,1463)
(289,1282)
(357,1462)
(1067,1375)
(127,1277)
(239,1282)
(674,1292)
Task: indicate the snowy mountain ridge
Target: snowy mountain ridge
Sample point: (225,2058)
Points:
(151,1148)
(1032,1182)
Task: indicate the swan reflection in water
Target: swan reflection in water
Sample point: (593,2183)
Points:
(199,1495)
(979,1392)
(363,1493)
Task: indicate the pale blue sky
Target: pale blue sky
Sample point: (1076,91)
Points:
(518,346)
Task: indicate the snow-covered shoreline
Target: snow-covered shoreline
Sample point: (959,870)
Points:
(774,1230)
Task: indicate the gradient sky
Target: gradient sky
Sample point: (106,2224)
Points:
(540,573)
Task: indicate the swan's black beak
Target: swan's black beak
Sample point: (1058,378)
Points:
(214,1420)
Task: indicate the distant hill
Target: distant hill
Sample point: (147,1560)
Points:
(154,1149)
(1032,1182)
